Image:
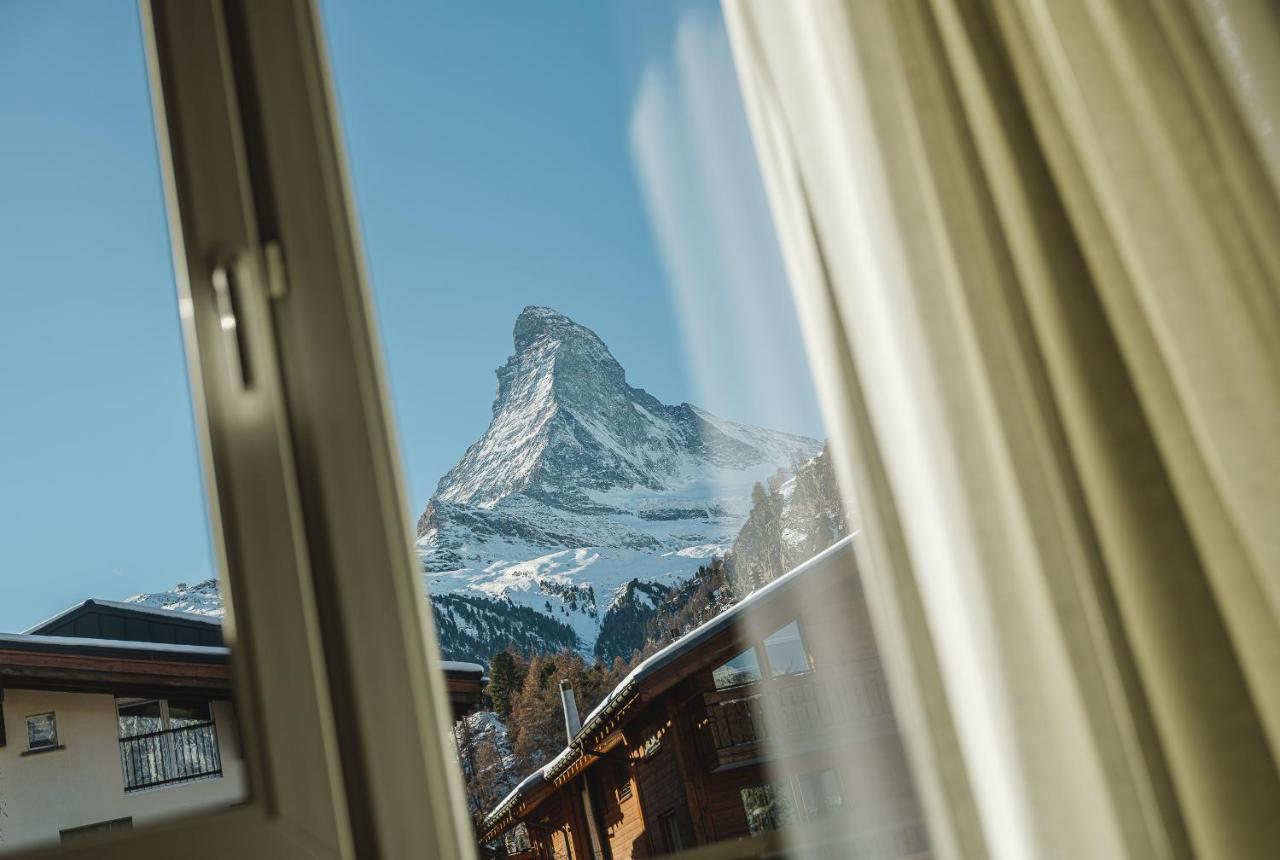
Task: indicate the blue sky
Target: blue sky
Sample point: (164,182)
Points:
(584,155)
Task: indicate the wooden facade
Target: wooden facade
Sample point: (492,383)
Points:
(672,760)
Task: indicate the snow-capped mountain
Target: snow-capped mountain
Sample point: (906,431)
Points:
(585,491)
(203,598)
(579,506)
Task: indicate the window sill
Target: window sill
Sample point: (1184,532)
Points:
(43,750)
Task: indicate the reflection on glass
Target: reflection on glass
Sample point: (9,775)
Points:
(636,534)
(114,677)
(138,717)
(786,652)
(42,732)
(768,807)
(164,742)
(744,668)
(819,794)
(188,712)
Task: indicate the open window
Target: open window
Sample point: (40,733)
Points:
(1033,257)
(231,699)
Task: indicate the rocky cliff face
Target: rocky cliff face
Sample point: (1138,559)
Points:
(583,486)
(795,515)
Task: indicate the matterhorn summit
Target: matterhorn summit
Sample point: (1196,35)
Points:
(583,491)
(581,505)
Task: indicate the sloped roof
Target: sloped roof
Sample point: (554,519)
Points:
(120,621)
(623,694)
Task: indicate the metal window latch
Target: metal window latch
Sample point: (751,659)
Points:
(231,278)
(227,286)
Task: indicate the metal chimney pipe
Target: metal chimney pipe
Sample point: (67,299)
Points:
(572,725)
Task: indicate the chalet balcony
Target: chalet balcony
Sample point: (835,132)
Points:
(743,724)
(163,758)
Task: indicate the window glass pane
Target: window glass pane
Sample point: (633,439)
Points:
(742,669)
(109,597)
(786,652)
(768,806)
(819,794)
(139,718)
(42,731)
(617,467)
(188,712)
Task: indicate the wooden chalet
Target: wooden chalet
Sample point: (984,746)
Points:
(770,724)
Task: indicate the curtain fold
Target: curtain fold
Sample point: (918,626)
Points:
(1033,245)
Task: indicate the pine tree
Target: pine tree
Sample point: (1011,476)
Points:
(506,675)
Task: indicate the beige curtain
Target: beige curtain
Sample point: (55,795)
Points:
(1035,246)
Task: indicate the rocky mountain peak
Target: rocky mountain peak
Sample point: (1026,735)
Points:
(556,360)
(536,326)
(567,429)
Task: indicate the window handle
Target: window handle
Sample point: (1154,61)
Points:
(228,298)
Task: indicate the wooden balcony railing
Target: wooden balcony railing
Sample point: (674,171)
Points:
(737,722)
(175,755)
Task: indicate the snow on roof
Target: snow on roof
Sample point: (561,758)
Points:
(664,657)
(528,782)
(131,607)
(460,666)
(159,610)
(714,625)
(112,644)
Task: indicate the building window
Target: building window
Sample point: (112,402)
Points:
(672,835)
(808,797)
(768,806)
(42,732)
(622,780)
(819,794)
(744,668)
(143,716)
(166,741)
(784,648)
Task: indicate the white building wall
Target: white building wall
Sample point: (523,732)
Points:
(47,792)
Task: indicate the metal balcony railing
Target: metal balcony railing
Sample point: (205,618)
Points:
(175,755)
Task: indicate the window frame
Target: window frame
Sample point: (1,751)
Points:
(165,717)
(53,719)
(672,830)
(761,668)
(793,786)
(335,671)
(766,663)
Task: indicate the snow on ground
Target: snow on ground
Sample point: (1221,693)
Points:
(202,599)
(578,584)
